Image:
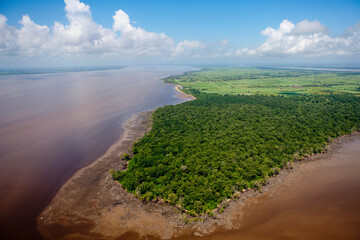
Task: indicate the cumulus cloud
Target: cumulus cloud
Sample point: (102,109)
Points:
(306,27)
(187,47)
(245,51)
(7,33)
(137,38)
(351,30)
(74,7)
(306,38)
(82,35)
(32,37)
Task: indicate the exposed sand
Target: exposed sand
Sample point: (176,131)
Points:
(182,94)
(86,197)
(91,205)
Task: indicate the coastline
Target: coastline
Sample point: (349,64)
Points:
(69,214)
(71,211)
(182,94)
(91,205)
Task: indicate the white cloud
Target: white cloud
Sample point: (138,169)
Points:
(7,36)
(306,38)
(32,37)
(74,7)
(84,36)
(137,38)
(245,51)
(81,37)
(187,47)
(306,27)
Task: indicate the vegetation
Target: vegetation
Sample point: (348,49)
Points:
(201,152)
(269,81)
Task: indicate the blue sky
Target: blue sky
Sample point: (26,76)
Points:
(206,25)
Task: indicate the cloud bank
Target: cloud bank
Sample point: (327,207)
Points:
(83,37)
(306,38)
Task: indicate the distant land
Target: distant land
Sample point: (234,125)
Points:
(269,81)
(17,71)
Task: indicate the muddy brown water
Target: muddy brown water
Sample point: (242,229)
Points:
(51,125)
(321,201)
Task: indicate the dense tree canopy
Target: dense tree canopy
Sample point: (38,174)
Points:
(199,153)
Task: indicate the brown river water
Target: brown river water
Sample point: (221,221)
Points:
(51,125)
(321,200)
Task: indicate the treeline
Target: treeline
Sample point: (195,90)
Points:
(201,152)
(233,74)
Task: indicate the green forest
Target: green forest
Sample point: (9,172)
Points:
(201,152)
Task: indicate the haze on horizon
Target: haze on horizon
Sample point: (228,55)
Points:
(226,32)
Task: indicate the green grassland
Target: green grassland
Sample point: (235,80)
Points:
(244,126)
(267,81)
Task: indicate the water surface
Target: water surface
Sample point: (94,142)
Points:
(51,125)
(322,201)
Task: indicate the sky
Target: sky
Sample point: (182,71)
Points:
(102,33)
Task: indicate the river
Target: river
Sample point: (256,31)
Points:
(320,199)
(52,125)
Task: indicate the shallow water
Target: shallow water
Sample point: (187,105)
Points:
(51,125)
(322,201)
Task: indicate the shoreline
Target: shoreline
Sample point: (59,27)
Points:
(91,205)
(74,223)
(68,209)
(181,93)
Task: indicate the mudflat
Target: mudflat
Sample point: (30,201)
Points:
(302,201)
(52,125)
(82,206)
